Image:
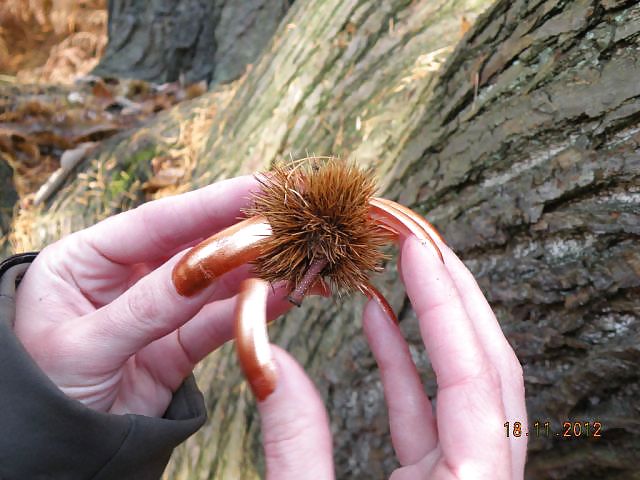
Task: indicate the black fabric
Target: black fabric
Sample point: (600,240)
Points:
(47,435)
(17,260)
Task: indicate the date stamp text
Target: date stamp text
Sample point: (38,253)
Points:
(539,429)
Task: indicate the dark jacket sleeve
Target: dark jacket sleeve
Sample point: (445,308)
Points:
(46,435)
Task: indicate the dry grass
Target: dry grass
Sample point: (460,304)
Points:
(50,41)
(21,236)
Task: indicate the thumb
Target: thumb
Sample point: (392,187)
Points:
(295,426)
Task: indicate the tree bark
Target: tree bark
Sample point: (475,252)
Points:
(521,146)
(165,40)
(536,183)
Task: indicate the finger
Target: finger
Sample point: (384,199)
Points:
(497,348)
(432,465)
(295,426)
(470,413)
(147,311)
(156,229)
(410,413)
(103,287)
(214,324)
(175,355)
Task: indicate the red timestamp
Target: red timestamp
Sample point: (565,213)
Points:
(538,429)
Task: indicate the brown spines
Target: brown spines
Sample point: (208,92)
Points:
(318,209)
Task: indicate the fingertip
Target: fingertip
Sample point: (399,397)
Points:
(422,270)
(414,250)
(295,425)
(377,327)
(375,316)
(295,400)
(292,380)
(373,293)
(248,180)
(400,262)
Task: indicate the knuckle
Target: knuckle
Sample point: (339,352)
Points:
(485,373)
(141,303)
(288,435)
(282,445)
(492,375)
(285,432)
(163,241)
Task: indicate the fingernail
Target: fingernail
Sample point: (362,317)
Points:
(427,244)
(252,339)
(260,368)
(431,245)
(263,380)
(381,302)
(187,280)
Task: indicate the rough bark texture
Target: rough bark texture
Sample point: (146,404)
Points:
(534,181)
(211,40)
(537,184)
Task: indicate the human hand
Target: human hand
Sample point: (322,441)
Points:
(480,386)
(99,314)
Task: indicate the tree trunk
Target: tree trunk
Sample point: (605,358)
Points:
(521,148)
(165,40)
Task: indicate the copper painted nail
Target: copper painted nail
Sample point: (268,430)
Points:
(252,340)
(406,223)
(423,222)
(372,293)
(224,251)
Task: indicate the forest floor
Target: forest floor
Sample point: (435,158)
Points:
(53,112)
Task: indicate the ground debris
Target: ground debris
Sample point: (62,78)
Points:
(38,124)
(51,42)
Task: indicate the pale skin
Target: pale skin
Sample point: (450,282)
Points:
(100,316)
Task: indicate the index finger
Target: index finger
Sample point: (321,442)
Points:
(156,229)
(470,413)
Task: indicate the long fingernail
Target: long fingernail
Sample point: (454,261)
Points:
(218,254)
(373,294)
(260,370)
(252,340)
(431,245)
(263,380)
(427,244)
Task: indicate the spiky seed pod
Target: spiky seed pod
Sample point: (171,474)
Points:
(319,214)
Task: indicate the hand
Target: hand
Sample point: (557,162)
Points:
(99,314)
(480,386)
